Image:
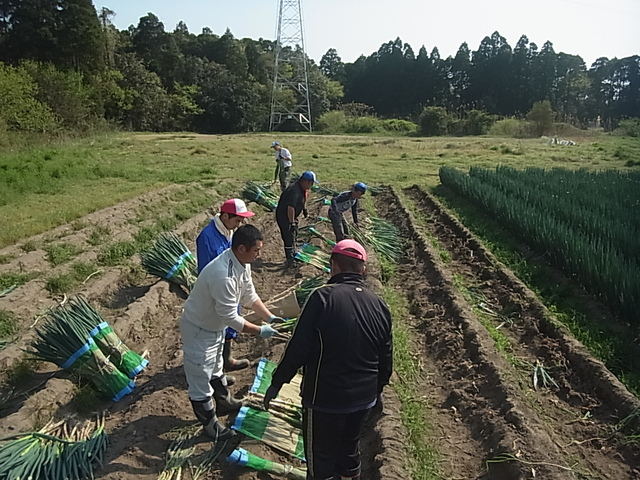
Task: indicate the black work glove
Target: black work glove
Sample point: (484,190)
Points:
(293,228)
(305,213)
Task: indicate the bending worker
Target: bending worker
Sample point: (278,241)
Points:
(293,202)
(340,204)
(211,307)
(283,165)
(343,343)
(214,239)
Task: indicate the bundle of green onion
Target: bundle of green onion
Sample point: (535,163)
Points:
(79,311)
(314,256)
(310,230)
(242,457)
(170,259)
(380,235)
(307,287)
(260,194)
(53,453)
(65,342)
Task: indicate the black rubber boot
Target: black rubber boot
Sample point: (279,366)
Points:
(210,425)
(225,403)
(231,364)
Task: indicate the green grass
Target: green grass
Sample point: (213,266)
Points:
(67,282)
(10,279)
(415,412)
(28,246)
(99,234)
(60,253)
(8,324)
(6,258)
(44,187)
(20,372)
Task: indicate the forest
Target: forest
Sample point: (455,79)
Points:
(66,67)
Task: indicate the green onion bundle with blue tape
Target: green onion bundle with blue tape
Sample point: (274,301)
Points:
(127,361)
(242,457)
(169,258)
(64,341)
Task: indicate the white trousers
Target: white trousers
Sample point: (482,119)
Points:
(202,358)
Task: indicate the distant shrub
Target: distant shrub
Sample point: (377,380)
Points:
(332,122)
(363,125)
(628,128)
(511,127)
(400,126)
(434,121)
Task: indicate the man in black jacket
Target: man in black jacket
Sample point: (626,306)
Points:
(343,343)
(293,202)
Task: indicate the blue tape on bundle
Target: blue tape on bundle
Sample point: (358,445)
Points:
(258,196)
(175,268)
(259,373)
(95,331)
(239,456)
(240,418)
(81,351)
(139,368)
(125,391)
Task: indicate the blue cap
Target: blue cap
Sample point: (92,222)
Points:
(361,187)
(275,144)
(309,175)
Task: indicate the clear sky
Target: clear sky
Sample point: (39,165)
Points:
(589,28)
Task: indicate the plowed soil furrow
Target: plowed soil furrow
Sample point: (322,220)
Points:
(549,431)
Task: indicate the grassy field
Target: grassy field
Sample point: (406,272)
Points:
(48,186)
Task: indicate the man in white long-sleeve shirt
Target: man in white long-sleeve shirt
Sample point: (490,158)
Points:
(211,307)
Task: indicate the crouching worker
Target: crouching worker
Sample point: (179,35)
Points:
(212,306)
(343,343)
(340,204)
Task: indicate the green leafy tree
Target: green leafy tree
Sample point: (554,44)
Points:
(434,121)
(542,117)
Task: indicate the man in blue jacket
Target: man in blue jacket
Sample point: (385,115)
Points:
(343,343)
(340,204)
(214,239)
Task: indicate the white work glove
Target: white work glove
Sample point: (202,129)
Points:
(267,331)
(275,319)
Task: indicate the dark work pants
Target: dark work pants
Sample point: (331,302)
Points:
(332,443)
(340,228)
(287,238)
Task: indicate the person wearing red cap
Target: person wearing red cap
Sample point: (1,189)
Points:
(214,239)
(211,306)
(343,343)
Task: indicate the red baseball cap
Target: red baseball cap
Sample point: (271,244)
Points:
(350,248)
(236,206)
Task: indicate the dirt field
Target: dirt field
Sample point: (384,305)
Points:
(483,404)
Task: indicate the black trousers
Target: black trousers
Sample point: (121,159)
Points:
(332,443)
(287,238)
(339,224)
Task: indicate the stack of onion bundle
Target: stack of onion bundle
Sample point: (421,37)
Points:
(169,258)
(84,315)
(307,287)
(380,235)
(314,256)
(261,195)
(64,341)
(53,453)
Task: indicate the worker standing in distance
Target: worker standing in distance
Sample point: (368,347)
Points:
(214,239)
(293,202)
(340,204)
(283,165)
(343,343)
(212,306)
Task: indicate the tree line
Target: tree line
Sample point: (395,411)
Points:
(64,66)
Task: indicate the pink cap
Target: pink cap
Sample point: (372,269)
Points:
(236,207)
(350,248)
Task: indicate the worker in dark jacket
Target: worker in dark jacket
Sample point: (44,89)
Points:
(340,204)
(343,343)
(293,202)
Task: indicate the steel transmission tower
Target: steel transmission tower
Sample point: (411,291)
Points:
(290,112)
